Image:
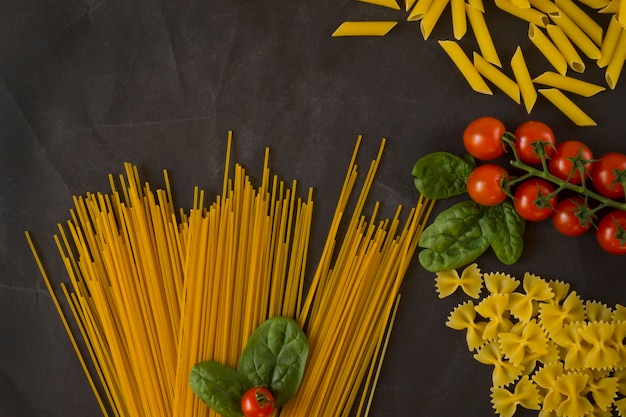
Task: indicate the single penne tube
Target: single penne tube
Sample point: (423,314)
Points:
(547,48)
(614,69)
(497,77)
(465,66)
(565,46)
(392,4)
(459,19)
(595,4)
(609,42)
(477,4)
(576,35)
(611,8)
(530,15)
(522,4)
(419,10)
(431,17)
(481,33)
(545,6)
(581,19)
(364,28)
(524,80)
(570,84)
(567,107)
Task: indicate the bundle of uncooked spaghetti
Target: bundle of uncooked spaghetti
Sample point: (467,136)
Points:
(153,290)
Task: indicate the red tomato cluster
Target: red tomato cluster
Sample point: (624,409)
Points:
(550,168)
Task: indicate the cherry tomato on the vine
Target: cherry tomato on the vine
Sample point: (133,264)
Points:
(565,219)
(483,138)
(562,166)
(257,402)
(610,234)
(603,175)
(531,134)
(484,184)
(529,196)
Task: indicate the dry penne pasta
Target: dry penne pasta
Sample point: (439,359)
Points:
(595,4)
(609,42)
(420,9)
(392,4)
(408,4)
(497,77)
(365,28)
(482,35)
(581,19)
(524,80)
(567,107)
(465,66)
(614,69)
(530,15)
(459,20)
(576,35)
(565,46)
(566,83)
(545,6)
(477,4)
(547,48)
(612,7)
(431,17)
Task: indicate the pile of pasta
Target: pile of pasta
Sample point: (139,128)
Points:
(154,290)
(563,31)
(549,350)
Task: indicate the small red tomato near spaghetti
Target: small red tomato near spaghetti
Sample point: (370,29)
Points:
(483,138)
(257,402)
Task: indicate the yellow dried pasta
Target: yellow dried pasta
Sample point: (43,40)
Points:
(470,281)
(564,356)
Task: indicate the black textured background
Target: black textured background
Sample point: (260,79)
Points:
(86,85)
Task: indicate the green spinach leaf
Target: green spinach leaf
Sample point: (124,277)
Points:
(504,229)
(219,386)
(275,356)
(454,239)
(442,175)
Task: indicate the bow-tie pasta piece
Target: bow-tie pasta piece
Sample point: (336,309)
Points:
(525,394)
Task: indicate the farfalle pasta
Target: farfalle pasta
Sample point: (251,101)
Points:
(548,349)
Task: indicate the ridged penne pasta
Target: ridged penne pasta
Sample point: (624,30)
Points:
(565,46)
(482,35)
(610,42)
(576,35)
(392,4)
(431,17)
(569,84)
(581,19)
(547,48)
(419,10)
(524,80)
(465,66)
(567,107)
(497,77)
(614,69)
(530,15)
(459,20)
(365,28)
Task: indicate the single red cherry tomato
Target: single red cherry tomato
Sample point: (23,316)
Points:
(257,402)
(531,199)
(484,184)
(562,166)
(610,234)
(565,219)
(533,134)
(603,174)
(483,138)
